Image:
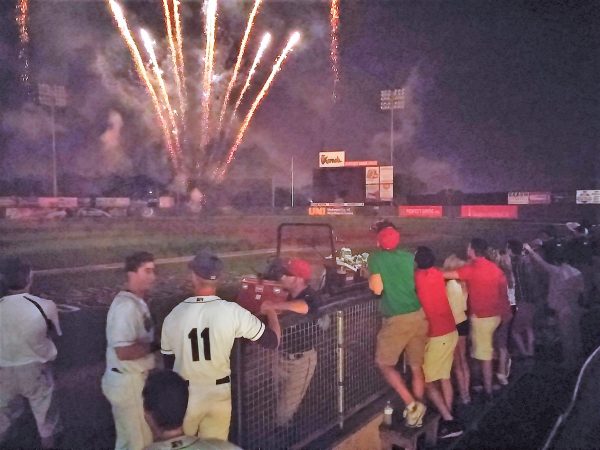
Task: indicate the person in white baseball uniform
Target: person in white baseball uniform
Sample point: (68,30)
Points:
(197,337)
(26,349)
(165,402)
(130,353)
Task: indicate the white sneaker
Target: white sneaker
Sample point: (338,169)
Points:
(413,414)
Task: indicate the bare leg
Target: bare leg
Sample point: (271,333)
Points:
(461,369)
(447,393)
(394,379)
(436,398)
(530,341)
(518,340)
(503,360)
(486,370)
(418,382)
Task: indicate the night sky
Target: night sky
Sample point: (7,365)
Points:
(501,95)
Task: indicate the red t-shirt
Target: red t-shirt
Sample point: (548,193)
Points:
(431,290)
(487,286)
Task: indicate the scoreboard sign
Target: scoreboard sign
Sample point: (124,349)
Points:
(332,159)
(433,212)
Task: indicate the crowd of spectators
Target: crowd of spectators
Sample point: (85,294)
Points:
(480,308)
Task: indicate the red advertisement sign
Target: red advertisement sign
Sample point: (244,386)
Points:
(489,211)
(421,211)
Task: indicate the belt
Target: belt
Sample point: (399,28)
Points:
(223,380)
(293,356)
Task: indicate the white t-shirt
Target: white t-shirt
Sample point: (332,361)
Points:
(200,332)
(192,443)
(128,322)
(24,331)
(457,297)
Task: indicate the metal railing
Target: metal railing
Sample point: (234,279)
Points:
(322,374)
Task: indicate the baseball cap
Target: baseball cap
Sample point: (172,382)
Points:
(206,265)
(297,267)
(388,238)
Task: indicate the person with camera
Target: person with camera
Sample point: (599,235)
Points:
(565,287)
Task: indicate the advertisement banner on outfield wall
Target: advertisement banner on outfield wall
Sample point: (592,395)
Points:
(489,211)
(588,197)
(540,198)
(429,211)
(332,159)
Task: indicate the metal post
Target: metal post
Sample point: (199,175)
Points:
(392,137)
(54,182)
(292,187)
(340,367)
(272,194)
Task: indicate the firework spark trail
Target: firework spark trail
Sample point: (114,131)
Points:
(264,43)
(209,55)
(334,51)
(149,44)
(179,45)
(294,38)
(238,62)
(173,52)
(22,21)
(143,74)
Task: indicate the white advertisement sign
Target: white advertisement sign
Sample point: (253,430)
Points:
(371,175)
(518,198)
(332,159)
(588,197)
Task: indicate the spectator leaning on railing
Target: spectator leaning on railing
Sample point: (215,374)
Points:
(296,365)
(487,301)
(404,325)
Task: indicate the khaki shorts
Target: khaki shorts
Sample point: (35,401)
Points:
(482,337)
(404,331)
(439,354)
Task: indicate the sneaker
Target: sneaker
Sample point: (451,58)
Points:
(449,429)
(502,379)
(413,414)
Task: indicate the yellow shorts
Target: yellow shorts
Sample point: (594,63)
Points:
(439,353)
(482,337)
(402,332)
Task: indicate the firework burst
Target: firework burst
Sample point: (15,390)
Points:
(172,125)
(143,74)
(238,62)
(334,19)
(149,44)
(294,38)
(209,57)
(173,52)
(264,43)
(22,22)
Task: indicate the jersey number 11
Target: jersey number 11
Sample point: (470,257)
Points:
(193,335)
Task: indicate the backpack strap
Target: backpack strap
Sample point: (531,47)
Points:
(49,323)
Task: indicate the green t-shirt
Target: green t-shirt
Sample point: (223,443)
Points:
(397,270)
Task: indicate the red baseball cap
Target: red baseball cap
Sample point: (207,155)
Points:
(388,238)
(297,267)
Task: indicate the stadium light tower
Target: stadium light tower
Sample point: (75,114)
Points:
(53,96)
(391,100)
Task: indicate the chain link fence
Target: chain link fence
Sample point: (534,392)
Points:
(322,374)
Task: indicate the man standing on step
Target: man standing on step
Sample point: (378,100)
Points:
(404,326)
